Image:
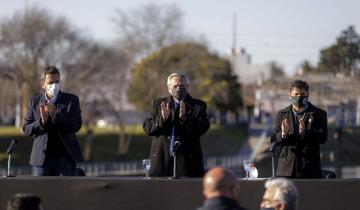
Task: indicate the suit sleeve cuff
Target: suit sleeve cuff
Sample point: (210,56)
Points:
(40,125)
(284,135)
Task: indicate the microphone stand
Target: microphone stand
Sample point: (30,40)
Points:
(176,149)
(177,144)
(8,166)
(272,148)
(10,151)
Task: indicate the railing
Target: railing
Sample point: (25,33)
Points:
(134,168)
(126,168)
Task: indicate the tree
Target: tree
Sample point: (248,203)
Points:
(306,67)
(344,55)
(210,75)
(98,76)
(149,28)
(28,41)
(276,70)
(7,101)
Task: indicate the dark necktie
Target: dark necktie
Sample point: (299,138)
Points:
(173,134)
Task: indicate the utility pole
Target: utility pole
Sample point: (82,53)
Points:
(233,48)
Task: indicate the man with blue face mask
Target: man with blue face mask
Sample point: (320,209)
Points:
(299,130)
(53,118)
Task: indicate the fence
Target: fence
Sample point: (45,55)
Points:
(126,168)
(135,168)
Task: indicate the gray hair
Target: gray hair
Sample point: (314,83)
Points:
(285,191)
(24,201)
(181,75)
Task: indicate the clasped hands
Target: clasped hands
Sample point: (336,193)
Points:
(285,128)
(47,111)
(165,110)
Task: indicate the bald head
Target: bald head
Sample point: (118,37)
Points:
(219,182)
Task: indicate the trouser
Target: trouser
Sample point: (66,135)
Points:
(170,168)
(55,166)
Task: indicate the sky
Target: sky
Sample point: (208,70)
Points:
(285,31)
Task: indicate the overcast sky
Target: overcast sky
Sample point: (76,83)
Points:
(288,31)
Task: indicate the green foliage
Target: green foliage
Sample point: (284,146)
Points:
(343,56)
(210,75)
(218,141)
(307,67)
(276,70)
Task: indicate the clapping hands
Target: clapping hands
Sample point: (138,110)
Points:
(165,110)
(47,111)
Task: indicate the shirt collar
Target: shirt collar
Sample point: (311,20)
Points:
(50,101)
(176,102)
(302,112)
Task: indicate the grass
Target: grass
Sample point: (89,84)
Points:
(348,146)
(217,141)
(227,141)
(7,131)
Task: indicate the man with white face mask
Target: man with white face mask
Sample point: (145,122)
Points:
(280,194)
(299,130)
(53,118)
(177,122)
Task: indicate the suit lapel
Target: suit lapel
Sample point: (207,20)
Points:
(291,120)
(309,116)
(189,104)
(170,100)
(59,97)
(41,101)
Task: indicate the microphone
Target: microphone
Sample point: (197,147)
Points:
(273,145)
(11,147)
(9,151)
(177,146)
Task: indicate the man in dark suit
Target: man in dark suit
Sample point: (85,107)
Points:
(53,118)
(220,190)
(299,130)
(177,122)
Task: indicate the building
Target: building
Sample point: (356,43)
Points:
(245,70)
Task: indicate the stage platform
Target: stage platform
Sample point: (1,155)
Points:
(136,193)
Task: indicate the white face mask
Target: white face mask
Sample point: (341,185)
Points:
(53,89)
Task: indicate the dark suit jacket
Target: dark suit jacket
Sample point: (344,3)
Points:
(189,158)
(299,156)
(68,122)
(220,203)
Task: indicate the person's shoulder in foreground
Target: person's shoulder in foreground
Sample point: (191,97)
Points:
(220,190)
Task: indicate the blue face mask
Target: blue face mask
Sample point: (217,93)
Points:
(299,101)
